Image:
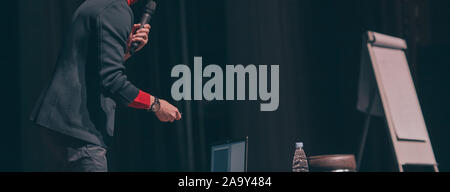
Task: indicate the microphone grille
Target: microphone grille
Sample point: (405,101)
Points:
(150,7)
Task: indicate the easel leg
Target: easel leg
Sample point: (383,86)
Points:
(436,168)
(363,140)
(365,130)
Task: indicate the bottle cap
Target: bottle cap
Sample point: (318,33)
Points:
(299,145)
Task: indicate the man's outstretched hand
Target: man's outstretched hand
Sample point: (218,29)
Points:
(167,112)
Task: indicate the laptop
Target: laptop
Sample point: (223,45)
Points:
(229,156)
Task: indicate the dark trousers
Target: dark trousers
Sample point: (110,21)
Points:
(68,154)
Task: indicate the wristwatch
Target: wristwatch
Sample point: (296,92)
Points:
(156,105)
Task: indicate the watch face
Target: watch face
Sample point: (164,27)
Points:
(156,105)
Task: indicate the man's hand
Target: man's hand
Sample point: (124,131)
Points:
(167,112)
(141,36)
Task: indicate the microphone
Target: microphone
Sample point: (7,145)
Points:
(148,13)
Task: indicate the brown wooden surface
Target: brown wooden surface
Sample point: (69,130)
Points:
(332,162)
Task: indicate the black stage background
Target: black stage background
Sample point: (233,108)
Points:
(316,43)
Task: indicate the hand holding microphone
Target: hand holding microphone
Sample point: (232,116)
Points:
(139,33)
(138,38)
(149,10)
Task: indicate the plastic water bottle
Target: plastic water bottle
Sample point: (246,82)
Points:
(300,163)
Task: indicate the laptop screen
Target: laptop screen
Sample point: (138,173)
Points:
(229,156)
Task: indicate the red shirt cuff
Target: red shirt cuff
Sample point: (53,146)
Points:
(142,101)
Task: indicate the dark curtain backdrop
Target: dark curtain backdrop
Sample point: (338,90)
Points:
(316,43)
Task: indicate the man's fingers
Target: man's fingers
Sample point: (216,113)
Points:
(170,117)
(178,115)
(135,27)
(141,35)
(146,28)
(143,30)
(139,39)
(174,115)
